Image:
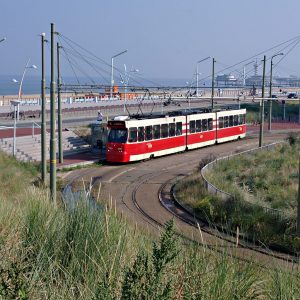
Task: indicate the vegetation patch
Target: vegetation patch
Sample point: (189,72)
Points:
(264,190)
(48,252)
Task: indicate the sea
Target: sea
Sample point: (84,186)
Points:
(32,84)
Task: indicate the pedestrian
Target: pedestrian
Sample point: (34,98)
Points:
(100,117)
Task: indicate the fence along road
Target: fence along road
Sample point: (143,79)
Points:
(224,195)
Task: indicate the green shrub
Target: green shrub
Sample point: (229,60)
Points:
(147,278)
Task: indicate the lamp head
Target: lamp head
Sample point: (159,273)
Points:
(15,80)
(15,102)
(34,67)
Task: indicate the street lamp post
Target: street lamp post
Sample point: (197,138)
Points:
(112,72)
(197,74)
(270,92)
(16,104)
(25,69)
(125,82)
(23,75)
(21,82)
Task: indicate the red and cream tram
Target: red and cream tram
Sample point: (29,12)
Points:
(143,137)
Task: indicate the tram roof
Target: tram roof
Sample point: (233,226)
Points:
(176,113)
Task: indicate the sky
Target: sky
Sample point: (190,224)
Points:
(164,38)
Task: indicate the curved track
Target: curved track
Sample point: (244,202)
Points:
(139,190)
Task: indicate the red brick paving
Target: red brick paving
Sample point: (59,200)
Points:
(7,133)
(80,158)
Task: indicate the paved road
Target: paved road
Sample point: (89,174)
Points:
(135,189)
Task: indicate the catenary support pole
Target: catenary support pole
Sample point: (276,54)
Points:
(52,121)
(60,146)
(262,107)
(270,98)
(213,84)
(270,92)
(299,111)
(43,129)
(298,205)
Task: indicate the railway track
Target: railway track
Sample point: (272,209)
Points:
(142,192)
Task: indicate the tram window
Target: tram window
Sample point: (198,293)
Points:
(172,129)
(225,121)
(221,122)
(236,120)
(192,127)
(132,135)
(141,134)
(179,128)
(230,121)
(156,132)
(210,124)
(148,133)
(204,125)
(117,135)
(198,125)
(164,130)
(242,119)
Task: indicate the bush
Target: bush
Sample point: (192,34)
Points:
(292,138)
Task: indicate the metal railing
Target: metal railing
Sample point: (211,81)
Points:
(36,125)
(224,195)
(6,127)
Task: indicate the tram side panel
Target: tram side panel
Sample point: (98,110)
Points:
(162,136)
(201,130)
(142,139)
(231,125)
(134,140)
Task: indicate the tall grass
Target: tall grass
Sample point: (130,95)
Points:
(266,179)
(48,252)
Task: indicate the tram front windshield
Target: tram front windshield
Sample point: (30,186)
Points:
(117,136)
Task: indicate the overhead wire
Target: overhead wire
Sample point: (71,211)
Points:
(77,66)
(85,60)
(290,41)
(104,62)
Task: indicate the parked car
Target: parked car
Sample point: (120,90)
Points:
(292,96)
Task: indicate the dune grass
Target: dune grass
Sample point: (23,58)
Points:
(264,190)
(48,252)
(269,178)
